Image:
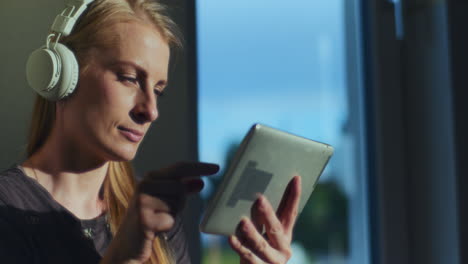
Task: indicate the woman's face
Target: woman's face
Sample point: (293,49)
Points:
(116,98)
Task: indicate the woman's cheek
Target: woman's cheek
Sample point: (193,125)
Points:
(118,95)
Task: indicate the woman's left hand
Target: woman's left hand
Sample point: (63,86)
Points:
(275,245)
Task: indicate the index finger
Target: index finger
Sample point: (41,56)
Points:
(185,170)
(289,206)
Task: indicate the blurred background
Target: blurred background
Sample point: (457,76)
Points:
(285,66)
(383,81)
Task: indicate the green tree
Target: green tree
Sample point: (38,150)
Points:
(322,227)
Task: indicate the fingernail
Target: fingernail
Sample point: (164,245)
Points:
(235,241)
(244,225)
(213,165)
(261,202)
(297,179)
(195,186)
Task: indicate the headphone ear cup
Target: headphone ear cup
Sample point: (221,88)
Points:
(43,70)
(53,73)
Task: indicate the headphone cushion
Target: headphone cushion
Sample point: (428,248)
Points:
(70,72)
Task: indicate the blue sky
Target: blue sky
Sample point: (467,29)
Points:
(280,63)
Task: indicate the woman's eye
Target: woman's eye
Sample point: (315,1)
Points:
(128,79)
(158,92)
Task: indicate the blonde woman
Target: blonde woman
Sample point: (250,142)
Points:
(74,199)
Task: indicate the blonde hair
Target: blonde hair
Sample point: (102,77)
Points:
(91,31)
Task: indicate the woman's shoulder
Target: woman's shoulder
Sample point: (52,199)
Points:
(19,191)
(11,184)
(10,173)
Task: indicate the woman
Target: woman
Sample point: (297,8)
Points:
(74,199)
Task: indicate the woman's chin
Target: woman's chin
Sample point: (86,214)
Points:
(117,149)
(128,156)
(123,154)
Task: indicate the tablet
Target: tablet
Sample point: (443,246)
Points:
(265,162)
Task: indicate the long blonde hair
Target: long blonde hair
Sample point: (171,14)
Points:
(90,31)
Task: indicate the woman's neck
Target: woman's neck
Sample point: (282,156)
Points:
(72,178)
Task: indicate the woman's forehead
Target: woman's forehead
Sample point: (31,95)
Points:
(139,43)
(135,37)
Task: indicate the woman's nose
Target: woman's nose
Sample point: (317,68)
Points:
(146,110)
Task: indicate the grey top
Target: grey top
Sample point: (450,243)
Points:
(35,228)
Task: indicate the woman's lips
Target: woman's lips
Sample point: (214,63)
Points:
(131,134)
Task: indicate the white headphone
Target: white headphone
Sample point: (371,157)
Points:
(52,70)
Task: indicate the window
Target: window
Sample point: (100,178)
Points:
(287,65)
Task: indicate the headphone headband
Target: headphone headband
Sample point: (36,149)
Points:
(64,23)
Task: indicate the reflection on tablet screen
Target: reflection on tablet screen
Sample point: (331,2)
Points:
(251,182)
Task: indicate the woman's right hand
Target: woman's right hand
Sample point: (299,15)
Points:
(158,198)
